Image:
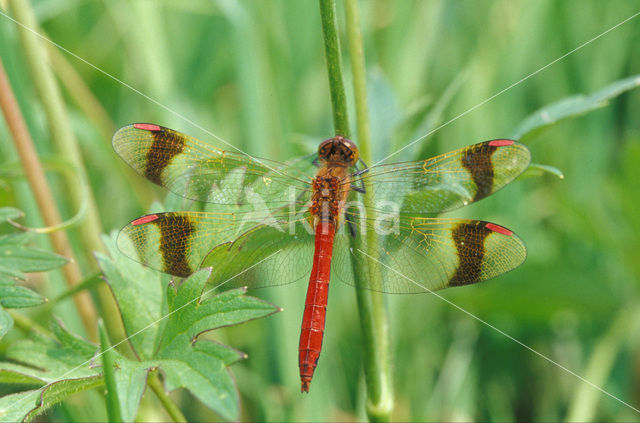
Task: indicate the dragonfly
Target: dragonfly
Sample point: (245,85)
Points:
(265,223)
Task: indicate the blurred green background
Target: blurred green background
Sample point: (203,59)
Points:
(253,73)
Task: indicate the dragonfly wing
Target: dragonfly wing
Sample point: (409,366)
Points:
(450,180)
(198,171)
(424,254)
(179,243)
(264,256)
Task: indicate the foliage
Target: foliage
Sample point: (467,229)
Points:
(253,74)
(65,364)
(59,365)
(165,333)
(16,259)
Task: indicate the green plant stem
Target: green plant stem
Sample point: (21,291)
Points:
(108,368)
(171,408)
(66,145)
(334,67)
(44,197)
(370,305)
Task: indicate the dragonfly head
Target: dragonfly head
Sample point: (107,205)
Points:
(338,150)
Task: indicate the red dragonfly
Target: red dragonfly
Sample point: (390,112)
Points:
(289,218)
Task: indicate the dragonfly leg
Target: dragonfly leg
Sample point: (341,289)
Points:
(362,171)
(316,162)
(361,189)
(350,224)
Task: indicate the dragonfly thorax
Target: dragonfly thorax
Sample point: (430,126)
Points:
(339,151)
(328,196)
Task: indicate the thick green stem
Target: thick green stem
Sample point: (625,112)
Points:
(171,408)
(114,412)
(370,305)
(334,67)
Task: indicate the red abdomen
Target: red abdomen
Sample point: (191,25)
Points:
(315,308)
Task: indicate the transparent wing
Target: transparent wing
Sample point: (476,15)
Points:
(264,257)
(448,181)
(198,171)
(179,242)
(423,254)
(417,254)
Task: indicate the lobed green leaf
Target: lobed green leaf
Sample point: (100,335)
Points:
(165,333)
(138,291)
(61,366)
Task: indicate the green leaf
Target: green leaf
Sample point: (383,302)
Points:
(28,259)
(573,106)
(130,382)
(19,238)
(6,322)
(12,273)
(25,406)
(16,374)
(536,169)
(7,213)
(138,291)
(15,407)
(165,333)
(200,367)
(61,365)
(49,359)
(19,296)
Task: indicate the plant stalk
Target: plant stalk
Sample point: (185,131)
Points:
(48,208)
(375,326)
(114,412)
(371,305)
(66,145)
(172,409)
(334,67)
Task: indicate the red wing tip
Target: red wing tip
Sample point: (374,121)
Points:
(499,229)
(500,143)
(147,126)
(145,219)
